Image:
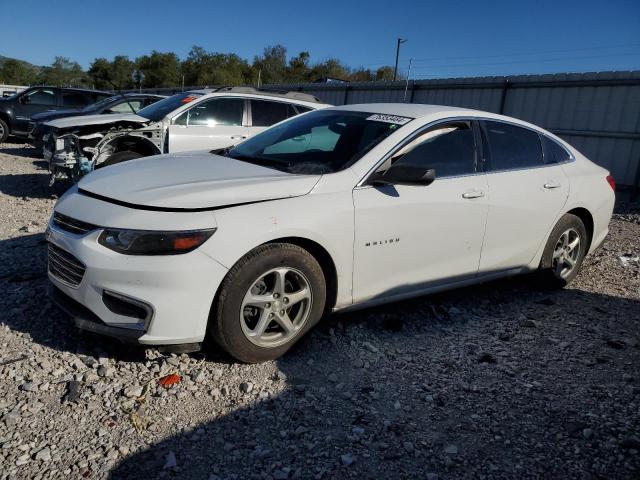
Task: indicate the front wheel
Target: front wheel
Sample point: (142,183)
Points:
(4,130)
(267,302)
(564,252)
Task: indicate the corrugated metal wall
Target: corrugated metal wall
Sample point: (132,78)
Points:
(598,113)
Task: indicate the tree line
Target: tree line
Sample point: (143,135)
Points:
(201,67)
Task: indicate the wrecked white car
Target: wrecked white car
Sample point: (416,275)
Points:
(194,120)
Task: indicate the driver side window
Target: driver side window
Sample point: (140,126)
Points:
(41,96)
(212,113)
(448,148)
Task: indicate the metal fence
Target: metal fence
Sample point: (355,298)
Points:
(598,113)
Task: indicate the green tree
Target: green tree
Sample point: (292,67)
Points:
(160,69)
(298,70)
(63,72)
(204,68)
(272,65)
(329,68)
(16,72)
(385,74)
(361,75)
(100,73)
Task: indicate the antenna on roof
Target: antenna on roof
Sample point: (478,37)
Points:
(406,86)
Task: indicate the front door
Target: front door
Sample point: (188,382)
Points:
(211,124)
(31,102)
(409,238)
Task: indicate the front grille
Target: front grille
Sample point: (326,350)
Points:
(72,225)
(64,266)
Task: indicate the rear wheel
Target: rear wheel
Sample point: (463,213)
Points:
(267,302)
(4,130)
(120,157)
(564,252)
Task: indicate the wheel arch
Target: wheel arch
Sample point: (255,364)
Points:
(134,143)
(6,119)
(587,218)
(324,259)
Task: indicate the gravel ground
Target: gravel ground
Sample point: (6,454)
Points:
(494,381)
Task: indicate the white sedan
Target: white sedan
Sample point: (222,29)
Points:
(339,208)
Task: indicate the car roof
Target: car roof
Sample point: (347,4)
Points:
(133,95)
(293,96)
(421,110)
(74,89)
(413,110)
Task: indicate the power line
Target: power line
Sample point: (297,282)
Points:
(541,52)
(532,61)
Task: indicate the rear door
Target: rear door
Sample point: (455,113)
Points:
(264,113)
(210,124)
(76,100)
(37,100)
(526,194)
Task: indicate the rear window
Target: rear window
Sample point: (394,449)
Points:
(553,153)
(511,147)
(75,99)
(157,111)
(265,113)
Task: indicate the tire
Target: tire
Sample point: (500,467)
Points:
(233,324)
(555,271)
(4,130)
(120,157)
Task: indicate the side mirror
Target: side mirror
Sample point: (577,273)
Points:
(24,99)
(404,175)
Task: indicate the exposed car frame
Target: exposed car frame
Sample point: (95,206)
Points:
(78,145)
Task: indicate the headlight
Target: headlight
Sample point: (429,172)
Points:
(145,242)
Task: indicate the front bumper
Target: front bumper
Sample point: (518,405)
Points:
(85,319)
(178,291)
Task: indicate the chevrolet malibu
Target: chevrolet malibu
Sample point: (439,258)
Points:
(339,208)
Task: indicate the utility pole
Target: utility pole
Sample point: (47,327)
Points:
(395,70)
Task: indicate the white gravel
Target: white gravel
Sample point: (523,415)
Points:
(495,381)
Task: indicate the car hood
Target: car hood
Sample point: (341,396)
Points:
(47,116)
(82,120)
(192,181)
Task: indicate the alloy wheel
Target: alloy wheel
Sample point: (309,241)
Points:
(566,253)
(276,307)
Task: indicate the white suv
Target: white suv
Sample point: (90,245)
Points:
(195,120)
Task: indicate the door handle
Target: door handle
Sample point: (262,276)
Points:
(238,137)
(551,185)
(473,194)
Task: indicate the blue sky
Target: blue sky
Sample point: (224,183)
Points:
(445,38)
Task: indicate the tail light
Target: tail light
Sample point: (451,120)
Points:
(611,182)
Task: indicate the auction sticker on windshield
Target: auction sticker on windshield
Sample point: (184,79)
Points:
(398,120)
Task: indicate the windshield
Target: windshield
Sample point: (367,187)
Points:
(158,110)
(100,104)
(324,141)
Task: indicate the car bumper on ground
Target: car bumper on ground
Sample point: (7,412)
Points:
(149,300)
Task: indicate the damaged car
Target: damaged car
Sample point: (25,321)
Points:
(337,209)
(120,103)
(209,119)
